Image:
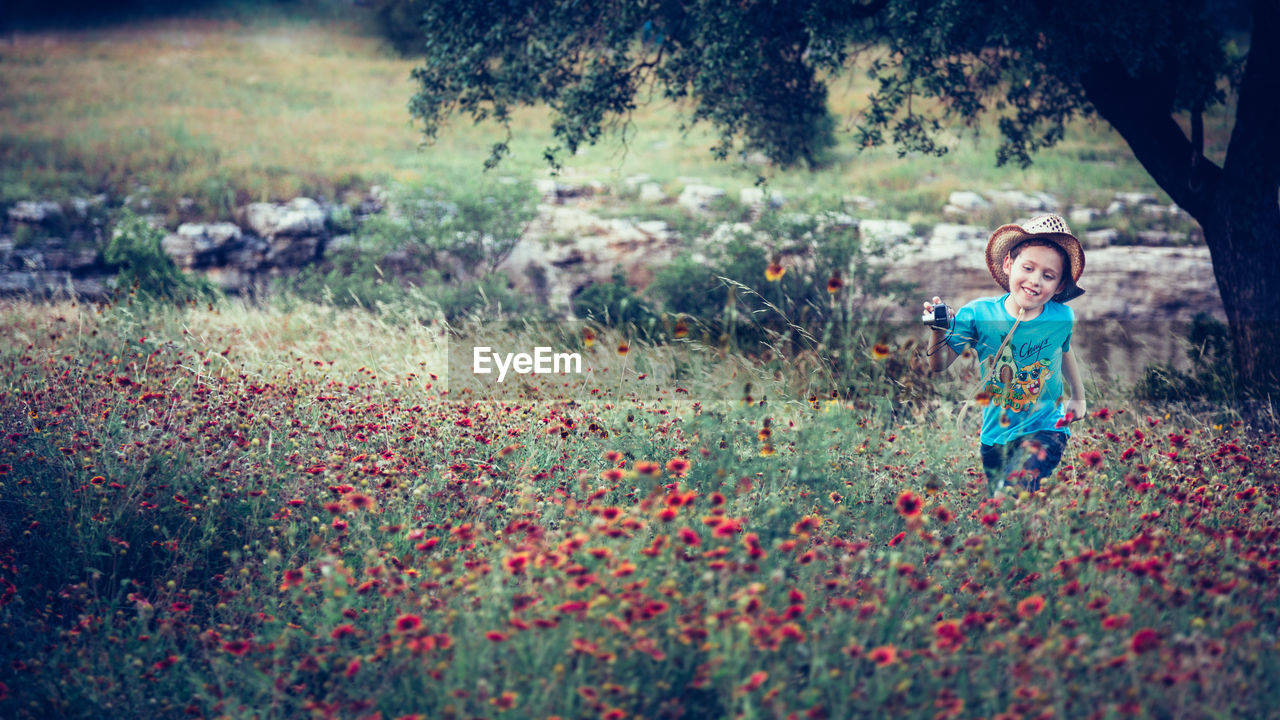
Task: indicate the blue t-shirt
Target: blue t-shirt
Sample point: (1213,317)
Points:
(1025,391)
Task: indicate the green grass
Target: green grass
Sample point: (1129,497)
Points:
(228,108)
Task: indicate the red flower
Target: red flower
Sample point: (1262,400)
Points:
(408,623)
(909,504)
(1030,607)
(897,539)
(360,501)
(754,682)
(883,655)
(1145,640)
(678,467)
(237,647)
(495,636)
(689,537)
(342,631)
(1092,458)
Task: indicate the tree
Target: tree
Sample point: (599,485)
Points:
(755,71)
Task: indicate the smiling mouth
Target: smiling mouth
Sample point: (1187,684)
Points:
(1033,389)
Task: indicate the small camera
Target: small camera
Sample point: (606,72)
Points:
(941,317)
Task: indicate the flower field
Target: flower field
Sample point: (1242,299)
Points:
(279,513)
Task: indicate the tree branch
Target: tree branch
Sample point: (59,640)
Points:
(1142,112)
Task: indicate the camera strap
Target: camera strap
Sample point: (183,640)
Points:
(996,358)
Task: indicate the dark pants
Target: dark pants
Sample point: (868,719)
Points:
(1023,461)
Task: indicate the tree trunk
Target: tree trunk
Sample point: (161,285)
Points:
(1237,205)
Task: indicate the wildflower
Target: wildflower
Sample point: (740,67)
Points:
(883,655)
(897,539)
(342,631)
(909,504)
(352,668)
(1030,607)
(623,348)
(647,468)
(516,563)
(1145,640)
(588,337)
(496,637)
(834,283)
(505,701)
(678,467)
(806,525)
(681,329)
(408,623)
(1065,420)
(689,537)
(880,351)
(948,635)
(983,398)
(1116,622)
(775,271)
(1092,458)
(754,682)
(360,501)
(292,578)
(613,474)
(766,450)
(237,647)
(942,514)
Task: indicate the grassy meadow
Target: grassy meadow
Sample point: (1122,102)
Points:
(271,512)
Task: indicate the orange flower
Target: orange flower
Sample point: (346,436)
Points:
(613,474)
(909,504)
(342,631)
(880,351)
(681,329)
(983,398)
(678,467)
(648,468)
(292,578)
(515,564)
(834,283)
(588,337)
(623,348)
(774,272)
(360,501)
(883,655)
(505,701)
(1030,607)
(766,450)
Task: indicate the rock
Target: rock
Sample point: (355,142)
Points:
(1136,198)
(74,259)
(651,192)
(1083,216)
(1023,201)
(230,279)
(1160,238)
(286,251)
(859,202)
(698,198)
(967,200)
(200,244)
(965,236)
(34,212)
(1115,208)
(885,231)
(1099,238)
(755,198)
(298,218)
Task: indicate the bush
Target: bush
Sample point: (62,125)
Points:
(1210,381)
(143,267)
(614,304)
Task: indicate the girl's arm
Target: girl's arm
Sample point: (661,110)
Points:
(1076,407)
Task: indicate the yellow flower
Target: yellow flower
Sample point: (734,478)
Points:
(774,272)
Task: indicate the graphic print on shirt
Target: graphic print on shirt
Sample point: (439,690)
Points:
(1015,387)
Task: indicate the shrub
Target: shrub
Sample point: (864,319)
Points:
(143,267)
(614,304)
(1209,381)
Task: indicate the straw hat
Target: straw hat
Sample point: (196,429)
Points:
(1046,227)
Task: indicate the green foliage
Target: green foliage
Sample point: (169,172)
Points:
(1210,381)
(144,269)
(615,304)
(446,244)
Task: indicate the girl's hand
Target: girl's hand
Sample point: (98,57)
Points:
(927,316)
(1075,409)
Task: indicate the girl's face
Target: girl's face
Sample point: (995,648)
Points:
(1034,276)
